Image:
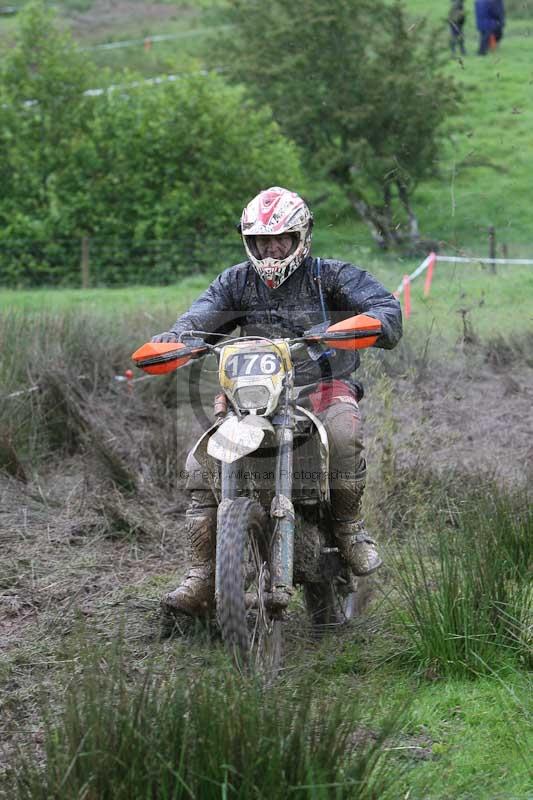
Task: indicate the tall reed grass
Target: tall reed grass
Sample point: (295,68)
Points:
(466,599)
(59,394)
(221,739)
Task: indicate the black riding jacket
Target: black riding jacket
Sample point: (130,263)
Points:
(239,298)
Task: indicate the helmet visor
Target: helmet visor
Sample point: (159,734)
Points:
(278,247)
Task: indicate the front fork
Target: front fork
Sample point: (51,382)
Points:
(281,509)
(282,512)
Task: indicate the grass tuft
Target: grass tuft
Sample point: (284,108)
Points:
(208,739)
(466,598)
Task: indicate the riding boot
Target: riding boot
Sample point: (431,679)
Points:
(356,546)
(195,596)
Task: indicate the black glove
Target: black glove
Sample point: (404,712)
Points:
(167,336)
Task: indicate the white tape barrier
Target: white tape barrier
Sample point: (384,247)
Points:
(147,82)
(163,37)
(160,79)
(463,260)
(458,260)
(418,271)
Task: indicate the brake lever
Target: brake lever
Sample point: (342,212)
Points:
(314,350)
(317,354)
(191,341)
(312,337)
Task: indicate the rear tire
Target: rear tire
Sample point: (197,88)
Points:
(252,634)
(329,605)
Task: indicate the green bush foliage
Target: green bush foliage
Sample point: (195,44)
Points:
(154,174)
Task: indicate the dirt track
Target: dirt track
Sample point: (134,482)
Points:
(75,549)
(468,418)
(69,541)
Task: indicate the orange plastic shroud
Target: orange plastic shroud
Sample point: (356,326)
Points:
(159,358)
(354,333)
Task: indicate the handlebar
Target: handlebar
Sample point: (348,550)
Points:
(354,333)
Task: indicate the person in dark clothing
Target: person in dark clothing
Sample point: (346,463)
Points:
(484,24)
(456,21)
(281,291)
(490,20)
(498,19)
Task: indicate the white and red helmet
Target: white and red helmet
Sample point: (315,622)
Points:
(273,212)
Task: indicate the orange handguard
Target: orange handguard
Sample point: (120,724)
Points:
(354,333)
(159,358)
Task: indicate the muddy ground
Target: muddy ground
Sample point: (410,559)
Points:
(78,550)
(468,417)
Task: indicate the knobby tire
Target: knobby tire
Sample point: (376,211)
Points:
(243,563)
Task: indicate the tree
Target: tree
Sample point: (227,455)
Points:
(358,88)
(156,174)
(42,84)
(172,166)
(42,102)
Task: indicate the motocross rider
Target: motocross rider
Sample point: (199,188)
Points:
(281,291)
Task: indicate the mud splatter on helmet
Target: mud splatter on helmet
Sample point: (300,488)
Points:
(273,212)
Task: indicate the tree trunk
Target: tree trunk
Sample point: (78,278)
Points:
(379,219)
(414,231)
(380,228)
(387,204)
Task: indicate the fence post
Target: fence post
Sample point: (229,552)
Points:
(492,245)
(85,262)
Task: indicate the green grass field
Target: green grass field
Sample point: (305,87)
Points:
(462,733)
(496,304)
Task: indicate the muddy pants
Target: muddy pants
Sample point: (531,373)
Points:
(335,404)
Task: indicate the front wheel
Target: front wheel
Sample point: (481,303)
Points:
(249,626)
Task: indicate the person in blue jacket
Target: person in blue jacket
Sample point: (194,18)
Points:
(490,20)
(498,18)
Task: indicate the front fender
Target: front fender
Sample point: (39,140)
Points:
(237,438)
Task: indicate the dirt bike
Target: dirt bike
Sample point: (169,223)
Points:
(268,461)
